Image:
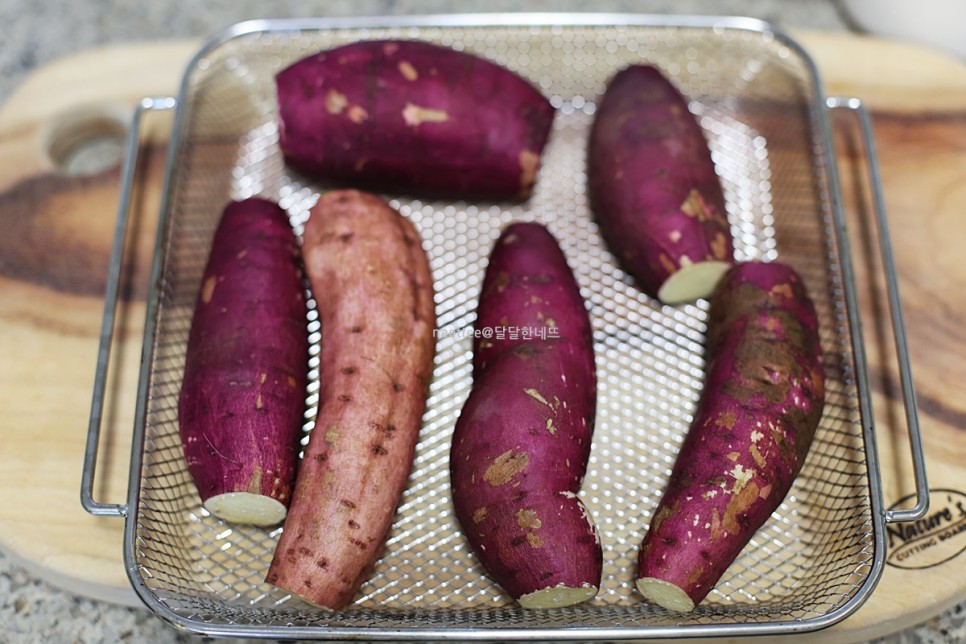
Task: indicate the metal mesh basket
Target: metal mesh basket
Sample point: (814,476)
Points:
(758,99)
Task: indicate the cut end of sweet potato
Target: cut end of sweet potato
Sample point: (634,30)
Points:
(245,507)
(692,282)
(558,596)
(665,594)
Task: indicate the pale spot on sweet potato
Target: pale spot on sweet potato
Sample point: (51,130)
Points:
(255,482)
(407,70)
(739,504)
(710,494)
(258,402)
(741,476)
(529,162)
(241,254)
(511,239)
(357,114)
(208,290)
(733,456)
(716,529)
(527,519)
(782,290)
(727,419)
(661,515)
(765,492)
(263,378)
(534,540)
(414,115)
(759,459)
(550,427)
(695,575)
(667,263)
(674,236)
(502,281)
(479,514)
(756,436)
(695,206)
(390,48)
(773,325)
(331,434)
(505,467)
(335,102)
(533,393)
(719,246)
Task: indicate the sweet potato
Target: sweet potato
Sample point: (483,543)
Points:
(762,401)
(522,440)
(654,189)
(414,117)
(372,282)
(243,392)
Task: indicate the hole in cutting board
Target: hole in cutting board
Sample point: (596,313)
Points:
(87,142)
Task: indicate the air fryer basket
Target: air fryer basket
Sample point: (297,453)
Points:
(758,98)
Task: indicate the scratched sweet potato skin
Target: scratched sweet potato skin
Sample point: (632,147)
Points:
(243,391)
(372,281)
(413,117)
(522,440)
(654,188)
(762,401)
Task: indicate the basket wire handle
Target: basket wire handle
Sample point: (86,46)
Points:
(110,310)
(895,311)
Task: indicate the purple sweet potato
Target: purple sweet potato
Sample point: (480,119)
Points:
(413,117)
(371,279)
(763,398)
(654,188)
(522,440)
(243,392)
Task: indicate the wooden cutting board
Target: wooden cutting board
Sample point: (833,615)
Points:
(56,229)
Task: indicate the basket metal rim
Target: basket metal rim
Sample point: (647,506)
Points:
(523,19)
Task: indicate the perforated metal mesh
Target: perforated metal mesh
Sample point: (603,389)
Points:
(754,98)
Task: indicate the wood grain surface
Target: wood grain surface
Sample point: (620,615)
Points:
(55,236)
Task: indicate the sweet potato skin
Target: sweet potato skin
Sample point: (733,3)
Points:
(243,391)
(652,182)
(522,440)
(373,286)
(763,399)
(414,117)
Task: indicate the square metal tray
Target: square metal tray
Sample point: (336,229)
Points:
(758,97)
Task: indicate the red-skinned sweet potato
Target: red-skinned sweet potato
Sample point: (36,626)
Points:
(522,440)
(762,401)
(654,188)
(243,392)
(372,282)
(413,117)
